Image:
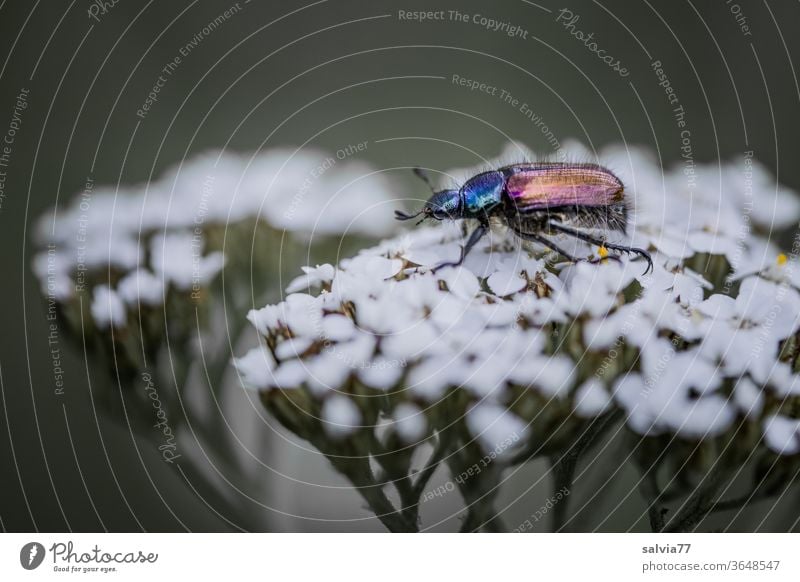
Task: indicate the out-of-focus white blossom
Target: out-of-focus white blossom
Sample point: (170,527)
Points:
(340,416)
(410,423)
(141,286)
(255,368)
(178,259)
(160,227)
(782,434)
(496,428)
(107,308)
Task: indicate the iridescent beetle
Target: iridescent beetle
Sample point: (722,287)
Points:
(536,199)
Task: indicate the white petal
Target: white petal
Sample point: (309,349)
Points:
(591,399)
(141,286)
(292,348)
(107,308)
(504,283)
(255,368)
(497,430)
(381,373)
(748,398)
(336,327)
(340,416)
(410,423)
(781,434)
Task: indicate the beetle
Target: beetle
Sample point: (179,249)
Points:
(533,200)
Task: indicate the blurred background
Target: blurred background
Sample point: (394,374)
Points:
(441,93)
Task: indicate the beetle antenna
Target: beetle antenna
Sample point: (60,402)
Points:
(423,175)
(400,215)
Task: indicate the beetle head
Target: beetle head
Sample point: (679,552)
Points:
(443,204)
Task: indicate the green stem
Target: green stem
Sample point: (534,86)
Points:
(564,467)
(383,509)
(433,463)
(698,506)
(563,471)
(358,471)
(479,492)
(648,486)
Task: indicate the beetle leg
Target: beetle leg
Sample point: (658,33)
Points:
(476,235)
(594,240)
(548,243)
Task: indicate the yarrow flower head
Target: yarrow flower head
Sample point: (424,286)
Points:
(133,269)
(169,229)
(517,355)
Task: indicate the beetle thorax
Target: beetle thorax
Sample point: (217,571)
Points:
(481,194)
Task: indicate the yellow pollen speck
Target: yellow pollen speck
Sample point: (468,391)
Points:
(602,252)
(781,260)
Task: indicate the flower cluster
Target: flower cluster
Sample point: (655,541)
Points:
(132,245)
(136,272)
(699,355)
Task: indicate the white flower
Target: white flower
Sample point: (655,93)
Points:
(304,191)
(749,398)
(678,393)
(782,434)
(381,373)
(591,399)
(141,286)
(554,375)
(504,283)
(107,308)
(314,277)
(266,319)
(744,333)
(255,368)
(497,429)
(52,269)
(340,416)
(409,423)
(179,260)
(293,348)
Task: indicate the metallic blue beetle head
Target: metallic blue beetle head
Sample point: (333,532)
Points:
(475,198)
(442,205)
